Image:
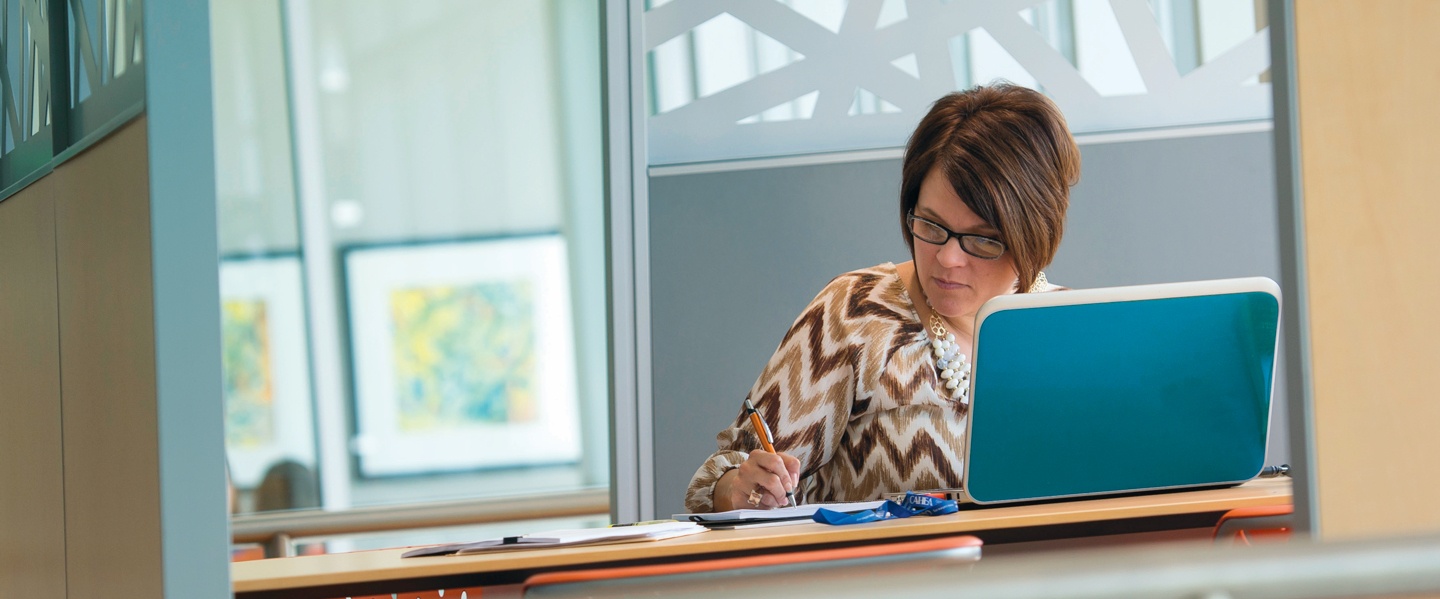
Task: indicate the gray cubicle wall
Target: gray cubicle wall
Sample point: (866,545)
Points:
(736,254)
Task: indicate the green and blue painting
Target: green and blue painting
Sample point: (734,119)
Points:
(464,354)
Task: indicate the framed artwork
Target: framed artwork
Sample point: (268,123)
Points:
(268,413)
(463,355)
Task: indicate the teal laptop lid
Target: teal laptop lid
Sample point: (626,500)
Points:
(1119,390)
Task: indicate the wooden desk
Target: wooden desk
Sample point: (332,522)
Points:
(383,571)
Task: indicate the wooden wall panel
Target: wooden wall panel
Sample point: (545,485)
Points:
(32,516)
(1368,81)
(107,344)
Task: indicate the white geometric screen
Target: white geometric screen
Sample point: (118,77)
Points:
(734,79)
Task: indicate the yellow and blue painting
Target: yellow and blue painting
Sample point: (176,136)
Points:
(464,354)
(248,374)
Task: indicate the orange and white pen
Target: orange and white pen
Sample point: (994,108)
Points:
(763,431)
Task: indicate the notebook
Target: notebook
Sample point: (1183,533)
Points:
(1126,389)
(565,538)
(796,514)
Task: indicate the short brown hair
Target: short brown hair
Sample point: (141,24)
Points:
(1008,154)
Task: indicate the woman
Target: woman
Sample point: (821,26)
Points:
(866,393)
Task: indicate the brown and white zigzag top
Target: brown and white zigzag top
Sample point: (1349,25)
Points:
(850,392)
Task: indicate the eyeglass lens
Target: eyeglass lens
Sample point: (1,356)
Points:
(980,247)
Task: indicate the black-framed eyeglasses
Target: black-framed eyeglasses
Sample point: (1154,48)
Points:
(979,246)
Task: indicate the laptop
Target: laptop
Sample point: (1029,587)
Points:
(1120,390)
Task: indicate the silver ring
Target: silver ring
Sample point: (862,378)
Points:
(755,497)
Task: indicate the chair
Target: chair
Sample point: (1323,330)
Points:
(757,571)
(246,552)
(1261,523)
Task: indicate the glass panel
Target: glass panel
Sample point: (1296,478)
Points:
(1199,31)
(706,61)
(424,181)
(254,175)
(25,133)
(987,61)
(799,108)
(1109,64)
(106,80)
(269,413)
(1225,24)
(1102,53)
(891,12)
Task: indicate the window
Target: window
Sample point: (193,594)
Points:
(412,249)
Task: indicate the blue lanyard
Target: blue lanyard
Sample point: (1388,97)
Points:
(912,505)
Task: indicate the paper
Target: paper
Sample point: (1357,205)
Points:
(566,538)
(784,513)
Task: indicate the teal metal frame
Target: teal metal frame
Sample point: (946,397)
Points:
(179,128)
(1291,220)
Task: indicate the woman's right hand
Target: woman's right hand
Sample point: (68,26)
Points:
(770,475)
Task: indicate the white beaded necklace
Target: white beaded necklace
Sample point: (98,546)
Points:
(954,369)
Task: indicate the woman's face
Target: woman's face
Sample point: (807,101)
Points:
(956,282)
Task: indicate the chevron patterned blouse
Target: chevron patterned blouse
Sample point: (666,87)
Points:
(850,392)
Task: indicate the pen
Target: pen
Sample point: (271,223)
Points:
(763,431)
(643,523)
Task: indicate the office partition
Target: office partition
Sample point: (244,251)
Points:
(1362,150)
(107,211)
